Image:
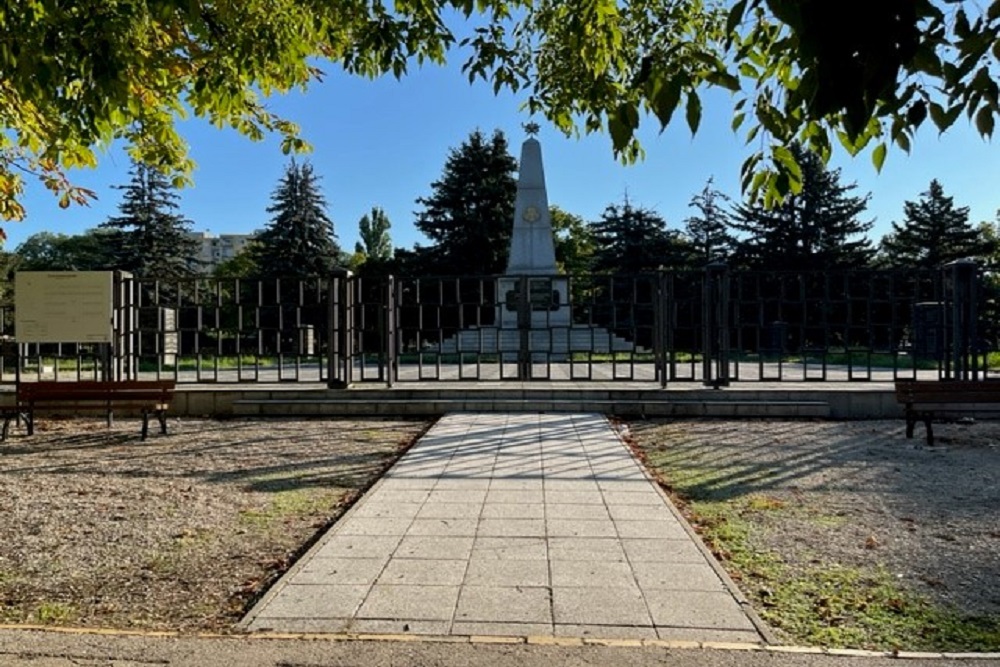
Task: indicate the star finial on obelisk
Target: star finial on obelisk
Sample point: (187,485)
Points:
(531,128)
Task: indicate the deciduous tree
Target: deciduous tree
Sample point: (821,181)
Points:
(80,75)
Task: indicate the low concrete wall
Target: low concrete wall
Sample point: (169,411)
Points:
(224,401)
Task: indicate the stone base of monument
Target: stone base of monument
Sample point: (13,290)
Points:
(551,344)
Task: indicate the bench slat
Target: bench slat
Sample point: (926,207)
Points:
(922,398)
(149,396)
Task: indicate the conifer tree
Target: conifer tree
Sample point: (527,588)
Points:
(933,233)
(818,228)
(632,240)
(708,232)
(150,238)
(299,240)
(470,212)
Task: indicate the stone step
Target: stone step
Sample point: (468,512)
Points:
(430,405)
(490,340)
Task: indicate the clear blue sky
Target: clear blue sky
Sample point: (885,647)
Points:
(382,143)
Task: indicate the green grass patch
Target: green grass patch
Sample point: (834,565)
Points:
(54,612)
(289,504)
(819,603)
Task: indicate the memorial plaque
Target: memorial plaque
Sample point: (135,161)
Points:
(64,306)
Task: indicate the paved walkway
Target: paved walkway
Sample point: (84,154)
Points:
(513,525)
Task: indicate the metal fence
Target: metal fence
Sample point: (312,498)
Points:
(713,326)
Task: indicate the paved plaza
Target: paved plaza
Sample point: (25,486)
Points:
(511,525)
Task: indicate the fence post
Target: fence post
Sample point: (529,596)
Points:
(961,279)
(715,325)
(523,329)
(340,330)
(660,328)
(390,334)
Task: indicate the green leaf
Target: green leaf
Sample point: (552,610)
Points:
(738,120)
(693,111)
(916,114)
(878,156)
(665,101)
(985,121)
(723,80)
(938,116)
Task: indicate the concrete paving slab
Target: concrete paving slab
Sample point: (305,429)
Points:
(677,576)
(605,631)
(662,550)
(374,526)
(512,528)
(580,527)
(510,548)
(585,548)
(696,609)
(666,528)
(358,546)
(568,511)
(316,601)
(420,603)
(600,606)
(592,574)
(382,509)
(423,572)
(450,511)
(493,572)
(360,571)
(510,604)
(409,626)
(501,629)
(434,547)
(511,525)
(444,527)
(512,511)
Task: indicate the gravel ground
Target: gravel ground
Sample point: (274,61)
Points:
(858,494)
(184,530)
(181,531)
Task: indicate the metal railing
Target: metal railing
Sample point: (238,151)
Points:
(714,326)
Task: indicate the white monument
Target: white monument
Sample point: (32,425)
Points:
(531,264)
(533,305)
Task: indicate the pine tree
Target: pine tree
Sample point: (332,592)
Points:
(470,212)
(375,243)
(708,232)
(933,233)
(150,239)
(630,240)
(818,228)
(299,241)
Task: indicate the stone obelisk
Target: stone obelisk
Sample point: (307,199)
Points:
(532,249)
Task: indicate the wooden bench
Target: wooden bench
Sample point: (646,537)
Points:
(923,398)
(146,396)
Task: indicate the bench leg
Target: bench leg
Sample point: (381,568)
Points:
(911,421)
(29,421)
(161,415)
(145,424)
(930,430)
(6,424)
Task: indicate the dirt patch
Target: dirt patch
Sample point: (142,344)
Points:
(856,496)
(181,531)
